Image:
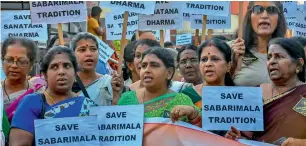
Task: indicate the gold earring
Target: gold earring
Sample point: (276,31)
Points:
(297,71)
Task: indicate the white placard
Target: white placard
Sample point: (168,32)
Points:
(105,52)
(213,22)
(53,12)
(167,15)
(183,39)
(219,8)
(18,24)
(114,24)
(142,7)
(289,8)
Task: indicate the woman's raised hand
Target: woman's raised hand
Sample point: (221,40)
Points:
(238,48)
(117,85)
(233,134)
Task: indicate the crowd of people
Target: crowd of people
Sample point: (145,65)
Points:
(168,81)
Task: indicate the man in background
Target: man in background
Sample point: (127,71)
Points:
(93,23)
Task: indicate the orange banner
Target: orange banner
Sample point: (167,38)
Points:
(173,135)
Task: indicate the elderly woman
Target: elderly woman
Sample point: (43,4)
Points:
(156,72)
(263,21)
(188,64)
(98,87)
(215,62)
(18,56)
(284,100)
(59,68)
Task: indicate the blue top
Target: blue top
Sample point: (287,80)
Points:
(30,109)
(101,67)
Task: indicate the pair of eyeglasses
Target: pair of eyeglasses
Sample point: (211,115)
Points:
(20,63)
(271,10)
(193,61)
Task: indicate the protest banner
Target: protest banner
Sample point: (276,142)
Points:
(218,8)
(183,39)
(291,22)
(18,24)
(290,8)
(53,12)
(180,134)
(300,24)
(114,25)
(76,131)
(213,22)
(120,125)
(241,107)
(167,15)
(105,52)
(142,7)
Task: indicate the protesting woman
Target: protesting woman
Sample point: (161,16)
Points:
(215,62)
(284,100)
(156,72)
(59,68)
(263,21)
(18,56)
(98,87)
(188,64)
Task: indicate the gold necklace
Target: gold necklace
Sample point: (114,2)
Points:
(49,96)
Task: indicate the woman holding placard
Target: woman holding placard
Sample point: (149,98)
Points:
(59,67)
(284,102)
(215,62)
(156,72)
(263,21)
(98,87)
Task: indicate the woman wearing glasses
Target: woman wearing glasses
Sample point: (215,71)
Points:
(263,21)
(18,55)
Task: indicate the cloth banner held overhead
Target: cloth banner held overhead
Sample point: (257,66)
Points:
(53,12)
(218,8)
(142,7)
(167,15)
(18,24)
(114,24)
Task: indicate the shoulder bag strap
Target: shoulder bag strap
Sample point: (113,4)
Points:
(80,83)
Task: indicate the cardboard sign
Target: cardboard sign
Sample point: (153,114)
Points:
(105,52)
(300,24)
(114,24)
(290,22)
(120,125)
(76,131)
(142,7)
(219,8)
(18,24)
(183,39)
(241,107)
(167,15)
(289,8)
(53,12)
(213,22)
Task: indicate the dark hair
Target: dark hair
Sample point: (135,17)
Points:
(95,11)
(223,47)
(300,39)
(139,32)
(128,57)
(54,51)
(186,47)
(168,44)
(294,49)
(163,55)
(27,43)
(54,38)
(82,36)
(250,37)
(150,43)
(221,37)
